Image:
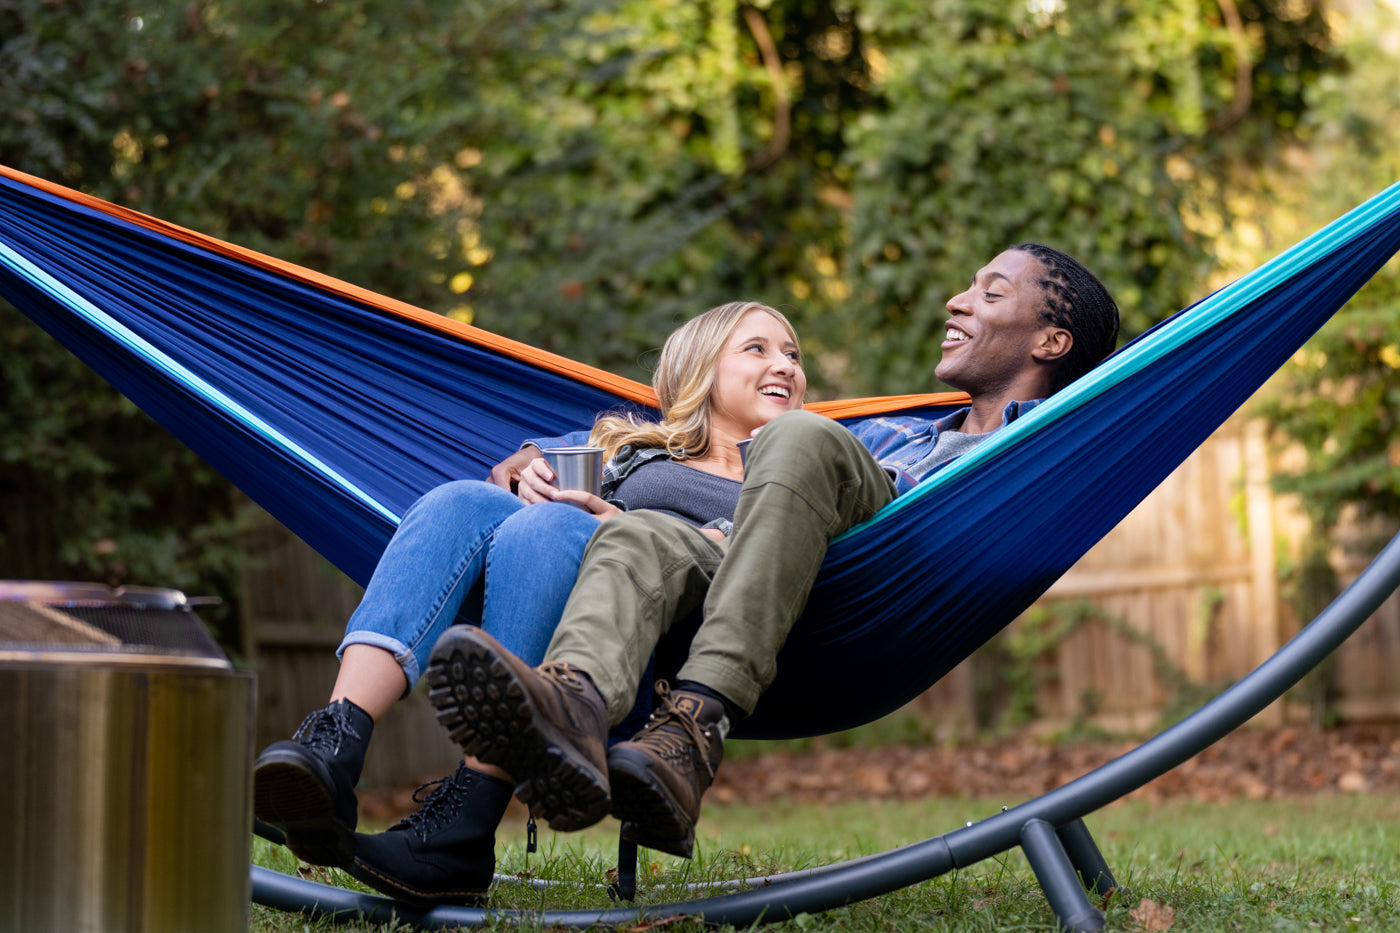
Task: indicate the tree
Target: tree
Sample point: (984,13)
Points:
(1339,398)
(581,175)
(315,132)
(1096,128)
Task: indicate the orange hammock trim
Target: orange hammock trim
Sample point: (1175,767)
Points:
(591,375)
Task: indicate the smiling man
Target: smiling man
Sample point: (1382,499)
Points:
(1032,321)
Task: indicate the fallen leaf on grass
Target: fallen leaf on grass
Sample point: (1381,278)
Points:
(1352,782)
(1152,917)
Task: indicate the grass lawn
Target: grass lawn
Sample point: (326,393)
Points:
(1315,863)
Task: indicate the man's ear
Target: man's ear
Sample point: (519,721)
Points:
(1054,344)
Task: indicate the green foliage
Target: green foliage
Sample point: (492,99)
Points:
(1086,126)
(690,156)
(309,131)
(1340,396)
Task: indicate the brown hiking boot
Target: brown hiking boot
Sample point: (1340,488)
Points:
(547,727)
(659,775)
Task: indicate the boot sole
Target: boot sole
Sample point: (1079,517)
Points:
(650,815)
(414,897)
(291,798)
(488,713)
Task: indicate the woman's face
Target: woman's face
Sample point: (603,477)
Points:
(758,377)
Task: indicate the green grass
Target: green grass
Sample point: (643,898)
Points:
(1321,863)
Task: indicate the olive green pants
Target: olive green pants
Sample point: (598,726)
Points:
(807,480)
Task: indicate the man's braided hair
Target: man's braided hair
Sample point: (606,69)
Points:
(1077,301)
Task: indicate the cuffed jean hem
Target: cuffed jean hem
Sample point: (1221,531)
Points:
(398,649)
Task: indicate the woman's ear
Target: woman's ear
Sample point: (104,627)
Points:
(1054,344)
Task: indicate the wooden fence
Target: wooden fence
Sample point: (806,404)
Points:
(1185,595)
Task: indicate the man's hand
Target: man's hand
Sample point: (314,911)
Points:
(506,474)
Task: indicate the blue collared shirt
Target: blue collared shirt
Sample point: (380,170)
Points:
(898,442)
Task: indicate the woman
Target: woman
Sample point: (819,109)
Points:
(473,550)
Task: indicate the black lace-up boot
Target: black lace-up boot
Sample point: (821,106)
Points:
(445,852)
(306,786)
(659,775)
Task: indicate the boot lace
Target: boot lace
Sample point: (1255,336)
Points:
(684,738)
(326,728)
(565,673)
(439,808)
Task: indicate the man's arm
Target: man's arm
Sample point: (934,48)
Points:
(506,474)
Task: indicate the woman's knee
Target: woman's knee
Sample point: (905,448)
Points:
(550,523)
(464,499)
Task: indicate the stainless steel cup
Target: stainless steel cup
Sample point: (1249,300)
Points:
(577,468)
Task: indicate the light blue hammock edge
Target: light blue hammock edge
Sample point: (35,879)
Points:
(213,349)
(159,361)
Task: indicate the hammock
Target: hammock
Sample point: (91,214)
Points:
(335,408)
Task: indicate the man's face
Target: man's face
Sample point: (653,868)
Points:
(994,328)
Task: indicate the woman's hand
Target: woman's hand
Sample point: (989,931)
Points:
(714,533)
(601,508)
(535,483)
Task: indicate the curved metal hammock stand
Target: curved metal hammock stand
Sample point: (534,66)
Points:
(1049,829)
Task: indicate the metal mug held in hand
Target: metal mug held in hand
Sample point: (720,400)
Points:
(578,468)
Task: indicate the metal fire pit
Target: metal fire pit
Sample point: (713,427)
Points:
(125,753)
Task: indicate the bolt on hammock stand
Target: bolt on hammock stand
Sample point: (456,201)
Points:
(1049,829)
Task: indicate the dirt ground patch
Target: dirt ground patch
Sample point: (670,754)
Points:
(1259,764)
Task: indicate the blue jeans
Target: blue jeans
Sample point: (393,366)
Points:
(468,551)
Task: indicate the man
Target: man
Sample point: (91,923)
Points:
(1032,322)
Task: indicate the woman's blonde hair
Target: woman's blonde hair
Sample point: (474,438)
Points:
(683,379)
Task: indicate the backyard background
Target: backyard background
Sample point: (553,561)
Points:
(583,175)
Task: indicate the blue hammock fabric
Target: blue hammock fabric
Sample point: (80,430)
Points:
(335,415)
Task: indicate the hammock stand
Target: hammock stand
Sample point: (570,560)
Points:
(1050,829)
(213,340)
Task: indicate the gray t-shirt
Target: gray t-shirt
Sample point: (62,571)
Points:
(950,444)
(685,492)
